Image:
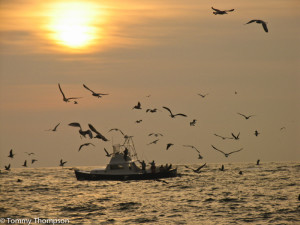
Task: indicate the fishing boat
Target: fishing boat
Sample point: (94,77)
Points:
(125,165)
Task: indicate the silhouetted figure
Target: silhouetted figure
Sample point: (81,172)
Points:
(125,152)
(257,162)
(25,163)
(222,168)
(153,167)
(143,165)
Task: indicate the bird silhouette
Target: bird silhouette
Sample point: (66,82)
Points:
(256,133)
(29,153)
(154,142)
(116,129)
(138,106)
(98,135)
(54,129)
(107,154)
(7,167)
(222,168)
(152,110)
(226,154)
(169,145)
(85,144)
(64,97)
(193,123)
(11,155)
(81,132)
(257,162)
(33,161)
(224,138)
(198,169)
(173,115)
(62,163)
(203,95)
(98,95)
(221,12)
(236,137)
(263,23)
(138,121)
(246,117)
(155,134)
(25,163)
(191,146)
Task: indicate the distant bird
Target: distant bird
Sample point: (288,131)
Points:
(85,144)
(154,142)
(33,161)
(203,95)
(98,95)
(257,162)
(107,154)
(256,133)
(11,155)
(169,145)
(64,97)
(99,136)
(222,168)
(62,163)
(25,163)
(221,12)
(193,123)
(148,96)
(226,154)
(198,169)
(236,137)
(155,134)
(173,115)
(263,23)
(29,153)
(138,106)
(246,117)
(81,132)
(152,110)
(54,129)
(116,129)
(282,128)
(223,137)
(7,167)
(138,121)
(191,146)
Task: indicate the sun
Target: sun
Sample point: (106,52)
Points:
(74,24)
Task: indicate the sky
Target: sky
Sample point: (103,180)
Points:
(170,50)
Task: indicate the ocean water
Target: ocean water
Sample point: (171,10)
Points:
(264,194)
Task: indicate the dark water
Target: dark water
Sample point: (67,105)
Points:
(264,194)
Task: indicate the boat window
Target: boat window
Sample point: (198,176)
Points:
(116,167)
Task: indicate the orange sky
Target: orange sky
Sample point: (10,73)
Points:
(172,50)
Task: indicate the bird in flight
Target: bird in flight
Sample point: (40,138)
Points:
(98,95)
(154,142)
(256,133)
(236,137)
(246,117)
(152,110)
(25,163)
(64,97)
(7,167)
(107,154)
(138,106)
(222,168)
(221,12)
(85,144)
(173,115)
(263,23)
(138,121)
(203,95)
(82,132)
(226,154)
(29,153)
(198,169)
(223,137)
(33,161)
(155,134)
(98,135)
(169,145)
(62,163)
(11,154)
(54,129)
(193,123)
(116,129)
(191,146)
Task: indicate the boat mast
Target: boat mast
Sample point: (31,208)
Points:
(128,143)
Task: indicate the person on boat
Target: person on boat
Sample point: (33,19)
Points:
(125,154)
(143,165)
(153,167)
(161,169)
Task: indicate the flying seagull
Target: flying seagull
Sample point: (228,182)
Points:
(62,163)
(107,154)
(223,137)
(263,23)
(173,115)
(191,146)
(203,95)
(29,153)
(99,136)
(198,169)
(98,95)
(256,133)
(81,132)
(193,123)
(85,144)
(236,137)
(7,167)
(154,142)
(246,117)
(11,155)
(169,145)
(54,129)
(222,168)
(33,161)
(221,12)
(226,154)
(64,97)
(152,110)
(138,106)
(155,134)
(25,163)
(116,129)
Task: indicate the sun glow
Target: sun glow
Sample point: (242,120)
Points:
(74,24)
